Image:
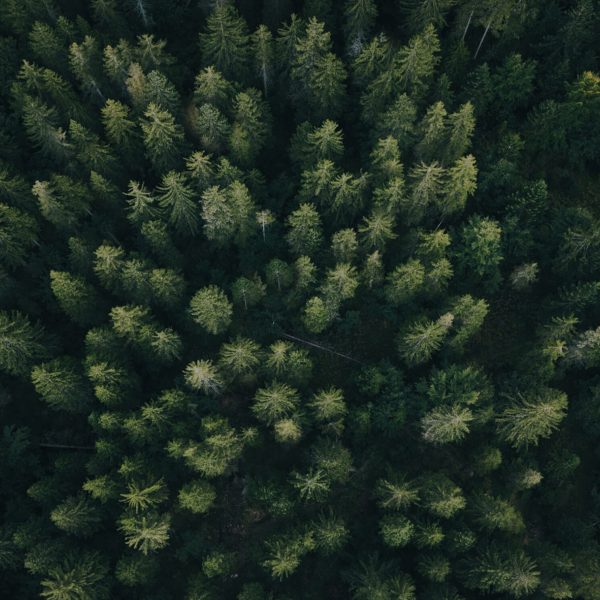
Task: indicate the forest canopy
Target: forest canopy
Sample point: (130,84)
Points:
(299,299)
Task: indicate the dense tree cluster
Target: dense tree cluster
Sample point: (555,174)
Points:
(299,299)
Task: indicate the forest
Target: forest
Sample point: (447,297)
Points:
(299,299)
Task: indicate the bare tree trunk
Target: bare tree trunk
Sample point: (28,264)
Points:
(483,37)
(467,26)
(320,347)
(264,78)
(66,447)
(141,10)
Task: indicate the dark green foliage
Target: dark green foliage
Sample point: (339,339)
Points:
(299,299)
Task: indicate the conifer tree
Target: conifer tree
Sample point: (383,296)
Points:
(210,308)
(162,137)
(41,126)
(83,575)
(225,43)
(18,232)
(304,235)
(481,251)
(147,532)
(62,385)
(76,516)
(317,72)
(532,417)
(360,17)
(120,130)
(264,56)
(202,375)
(176,199)
(21,343)
(423,338)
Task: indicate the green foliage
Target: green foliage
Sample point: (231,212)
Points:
(162,137)
(76,516)
(21,343)
(18,232)
(78,576)
(299,299)
(147,532)
(210,308)
(197,496)
(61,384)
(78,299)
(225,42)
(532,417)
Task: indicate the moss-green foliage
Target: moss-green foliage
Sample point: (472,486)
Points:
(299,299)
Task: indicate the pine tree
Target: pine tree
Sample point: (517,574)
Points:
(41,126)
(462,183)
(120,129)
(433,130)
(136,570)
(203,375)
(441,497)
(248,291)
(176,198)
(250,128)
(47,46)
(445,425)
(108,265)
(426,188)
(317,72)
(163,137)
(147,532)
(469,314)
(481,251)
(62,385)
(212,128)
(210,308)
(225,44)
(77,515)
(240,357)
(423,338)
(396,530)
(377,229)
(217,214)
(279,275)
(360,17)
(84,575)
(329,408)
(141,497)
(197,496)
(91,153)
(532,417)
(21,343)
(273,403)
(503,571)
(85,62)
(415,63)
(372,273)
(344,245)
(492,513)
(210,87)
(18,232)
(62,201)
(318,314)
(423,12)
(461,125)
(160,91)
(305,231)
(264,56)
(404,282)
